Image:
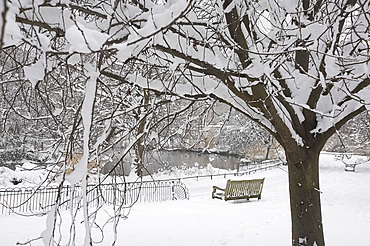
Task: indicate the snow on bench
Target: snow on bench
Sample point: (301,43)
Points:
(349,162)
(350,167)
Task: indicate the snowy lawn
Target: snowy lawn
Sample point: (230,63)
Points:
(204,221)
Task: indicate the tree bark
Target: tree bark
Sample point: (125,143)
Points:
(307,228)
(139,150)
(267,148)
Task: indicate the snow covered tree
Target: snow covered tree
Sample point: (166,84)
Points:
(299,68)
(246,138)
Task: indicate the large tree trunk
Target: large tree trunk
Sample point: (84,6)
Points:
(304,191)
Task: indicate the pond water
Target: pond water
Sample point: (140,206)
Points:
(158,160)
(166,159)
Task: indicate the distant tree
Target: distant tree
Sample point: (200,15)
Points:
(353,137)
(245,138)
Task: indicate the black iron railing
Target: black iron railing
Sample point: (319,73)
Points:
(243,170)
(41,199)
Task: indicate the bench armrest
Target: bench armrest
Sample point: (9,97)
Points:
(214,194)
(217,188)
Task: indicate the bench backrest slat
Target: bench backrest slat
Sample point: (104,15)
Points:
(236,189)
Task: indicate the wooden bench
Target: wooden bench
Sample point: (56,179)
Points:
(240,189)
(350,167)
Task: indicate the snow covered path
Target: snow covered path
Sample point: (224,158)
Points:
(204,221)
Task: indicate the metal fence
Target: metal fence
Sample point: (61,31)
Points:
(41,199)
(244,169)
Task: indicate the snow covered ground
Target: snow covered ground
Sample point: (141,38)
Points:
(204,221)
